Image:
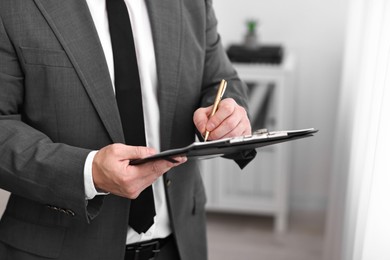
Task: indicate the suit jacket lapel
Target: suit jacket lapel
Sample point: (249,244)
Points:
(165,18)
(73,25)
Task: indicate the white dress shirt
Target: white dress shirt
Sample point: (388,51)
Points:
(148,77)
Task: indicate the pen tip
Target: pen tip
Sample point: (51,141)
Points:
(206,136)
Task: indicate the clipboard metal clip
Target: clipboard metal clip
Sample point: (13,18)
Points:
(260,131)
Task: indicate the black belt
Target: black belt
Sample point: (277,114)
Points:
(146,250)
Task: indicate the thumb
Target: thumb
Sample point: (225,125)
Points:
(201,117)
(128,152)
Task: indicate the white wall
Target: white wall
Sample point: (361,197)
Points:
(313,31)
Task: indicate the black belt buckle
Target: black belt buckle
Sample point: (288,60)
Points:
(148,249)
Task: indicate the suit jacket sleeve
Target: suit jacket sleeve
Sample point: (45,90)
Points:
(32,165)
(218,67)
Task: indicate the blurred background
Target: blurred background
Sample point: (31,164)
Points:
(309,63)
(313,34)
(324,197)
(279,205)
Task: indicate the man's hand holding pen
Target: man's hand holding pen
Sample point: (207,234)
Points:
(228,120)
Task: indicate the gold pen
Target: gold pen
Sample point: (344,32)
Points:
(221,91)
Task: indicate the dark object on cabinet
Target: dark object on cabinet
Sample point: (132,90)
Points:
(268,54)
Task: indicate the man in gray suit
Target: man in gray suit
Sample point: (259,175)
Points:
(62,148)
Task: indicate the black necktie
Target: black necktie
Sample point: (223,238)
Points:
(129,100)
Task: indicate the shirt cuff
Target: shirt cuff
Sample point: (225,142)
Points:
(89,186)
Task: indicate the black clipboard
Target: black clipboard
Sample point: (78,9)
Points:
(216,148)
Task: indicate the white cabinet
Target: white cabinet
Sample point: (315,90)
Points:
(262,187)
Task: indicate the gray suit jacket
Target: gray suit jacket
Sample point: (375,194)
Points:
(57,104)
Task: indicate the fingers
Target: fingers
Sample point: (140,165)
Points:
(112,173)
(226,112)
(230,120)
